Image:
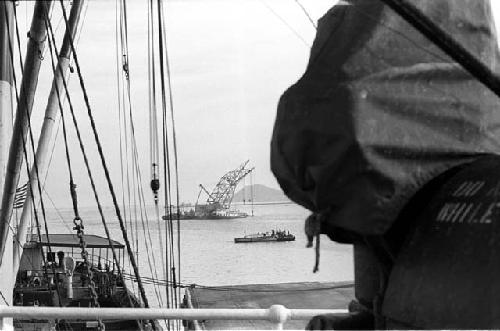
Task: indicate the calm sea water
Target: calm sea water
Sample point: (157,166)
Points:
(210,257)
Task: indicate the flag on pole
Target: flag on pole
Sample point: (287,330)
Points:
(20,196)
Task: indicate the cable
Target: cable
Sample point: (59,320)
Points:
(3,297)
(34,159)
(341,285)
(61,218)
(176,171)
(135,157)
(104,165)
(52,40)
(166,159)
(307,14)
(286,23)
(77,220)
(153,120)
(124,176)
(399,33)
(468,61)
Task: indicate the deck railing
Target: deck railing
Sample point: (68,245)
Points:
(276,314)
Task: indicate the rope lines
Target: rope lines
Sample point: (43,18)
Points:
(52,45)
(153,131)
(340,285)
(438,56)
(136,172)
(3,298)
(167,169)
(58,212)
(104,165)
(153,120)
(77,221)
(176,168)
(11,53)
(166,160)
(399,33)
(307,14)
(153,138)
(159,68)
(122,125)
(295,32)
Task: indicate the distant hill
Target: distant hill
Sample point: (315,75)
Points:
(261,193)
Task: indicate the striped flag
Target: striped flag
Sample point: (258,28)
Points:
(20,196)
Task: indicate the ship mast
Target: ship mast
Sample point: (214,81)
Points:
(6,109)
(37,37)
(56,98)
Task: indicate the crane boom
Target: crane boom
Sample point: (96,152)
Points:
(202,188)
(222,194)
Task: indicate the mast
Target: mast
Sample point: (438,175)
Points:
(56,97)
(37,36)
(6,109)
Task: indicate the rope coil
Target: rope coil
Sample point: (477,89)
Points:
(78,222)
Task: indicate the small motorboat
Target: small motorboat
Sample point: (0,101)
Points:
(278,235)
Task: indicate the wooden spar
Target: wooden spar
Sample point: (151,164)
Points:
(446,43)
(37,37)
(51,116)
(6,83)
(6,109)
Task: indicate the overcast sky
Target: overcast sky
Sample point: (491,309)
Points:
(230,59)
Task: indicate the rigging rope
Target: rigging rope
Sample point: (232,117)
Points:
(399,33)
(340,285)
(153,120)
(154,144)
(104,165)
(168,219)
(165,69)
(130,177)
(251,191)
(135,157)
(411,41)
(89,173)
(286,23)
(3,298)
(125,176)
(58,212)
(153,137)
(39,189)
(77,221)
(307,14)
(11,53)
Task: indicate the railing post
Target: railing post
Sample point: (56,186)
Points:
(278,315)
(6,323)
(189,303)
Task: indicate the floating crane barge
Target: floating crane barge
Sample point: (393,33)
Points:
(218,203)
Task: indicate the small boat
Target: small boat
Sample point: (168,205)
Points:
(226,214)
(214,215)
(265,237)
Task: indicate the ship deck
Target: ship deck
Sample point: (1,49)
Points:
(310,295)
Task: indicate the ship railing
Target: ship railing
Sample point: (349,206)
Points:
(278,315)
(94,260)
